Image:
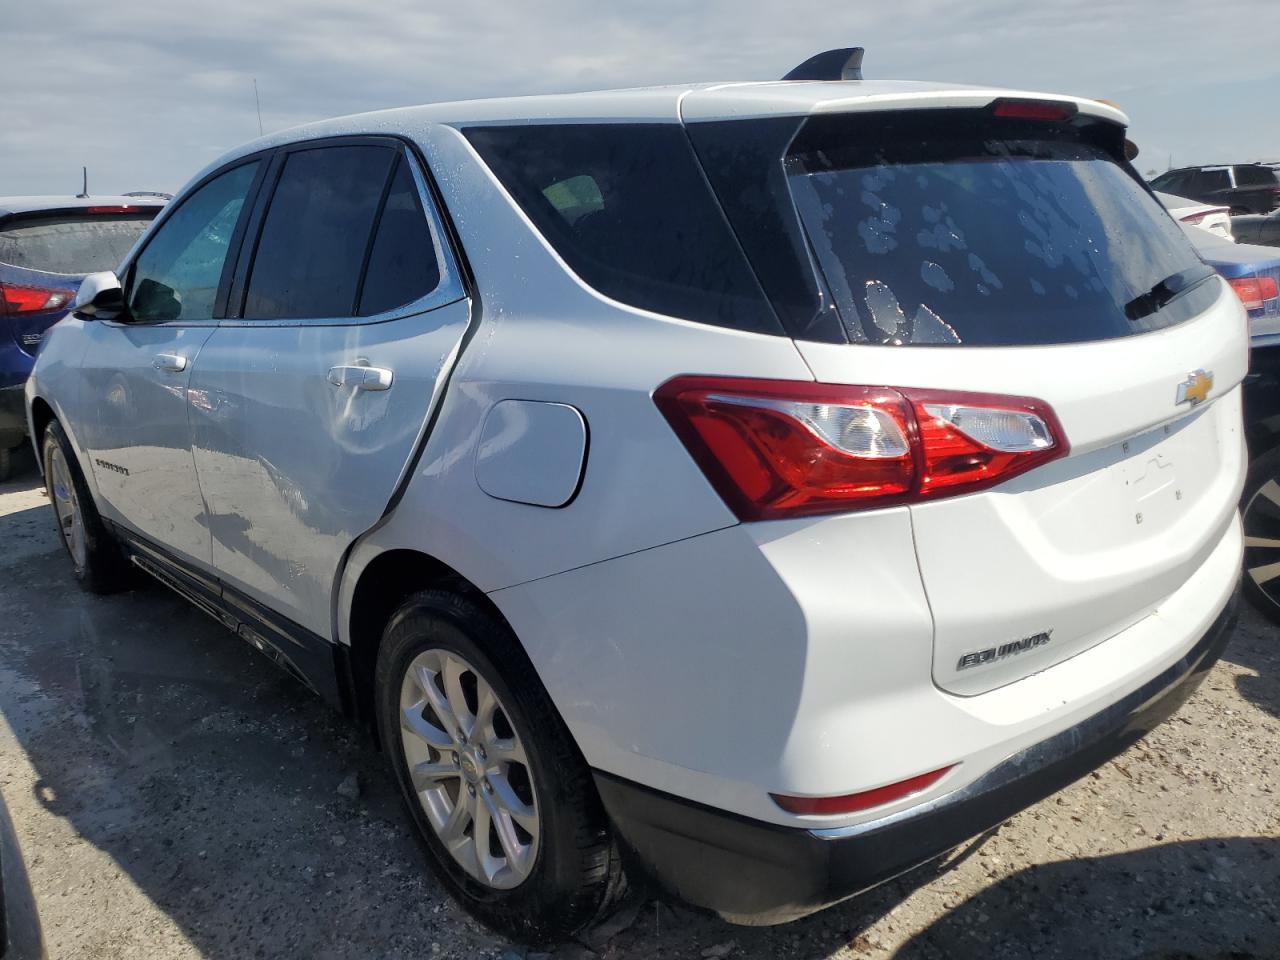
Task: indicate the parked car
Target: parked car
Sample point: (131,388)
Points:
(20,936)
(1243,187)
(1253,272)
(1215,220)
(1258,228)
(47,246)
(751,485)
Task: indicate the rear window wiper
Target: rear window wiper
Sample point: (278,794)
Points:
(1164,292)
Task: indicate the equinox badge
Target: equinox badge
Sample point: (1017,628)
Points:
(991,654)
(1195,389)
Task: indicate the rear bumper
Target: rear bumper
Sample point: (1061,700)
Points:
(756,872)
(13,416)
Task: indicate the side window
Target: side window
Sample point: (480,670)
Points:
(177,274)
(316,231)
(404,262)
(628,208)
(1213,180)
(1256,177)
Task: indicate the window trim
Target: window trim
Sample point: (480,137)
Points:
(453,285)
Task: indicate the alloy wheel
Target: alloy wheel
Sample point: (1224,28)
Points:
(1261,519)
(469,769)
(66,505)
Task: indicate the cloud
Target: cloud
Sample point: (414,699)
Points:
(145,92)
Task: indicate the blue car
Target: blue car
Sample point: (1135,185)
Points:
(1253,273)
(47,246)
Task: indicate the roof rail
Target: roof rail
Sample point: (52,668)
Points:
(842,64)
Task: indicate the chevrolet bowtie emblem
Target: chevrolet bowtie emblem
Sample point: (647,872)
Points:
(1195,389)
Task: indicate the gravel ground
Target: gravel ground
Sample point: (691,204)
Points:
(177,796)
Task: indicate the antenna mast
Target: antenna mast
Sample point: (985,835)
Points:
(84,189)
(257,103)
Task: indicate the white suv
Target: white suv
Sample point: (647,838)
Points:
(762,486)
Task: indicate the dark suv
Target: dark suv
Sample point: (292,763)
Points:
(1244,187)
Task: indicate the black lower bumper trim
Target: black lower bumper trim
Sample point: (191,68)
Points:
(757,872)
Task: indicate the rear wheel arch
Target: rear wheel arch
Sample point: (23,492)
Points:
(41,416)
(386,582)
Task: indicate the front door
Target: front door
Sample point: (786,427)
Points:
(307,409)
(137,370)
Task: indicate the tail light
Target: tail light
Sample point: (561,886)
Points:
(1254,292)
(32,299)
(1198,218)
(775,448)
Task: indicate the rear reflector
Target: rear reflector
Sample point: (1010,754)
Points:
(1254,292)
(1033,109)
(32,299)
(856,802)
(775,448)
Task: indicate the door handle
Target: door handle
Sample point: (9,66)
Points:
(170,362)
(362,378)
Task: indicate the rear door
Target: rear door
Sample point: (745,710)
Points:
(1022,258)
(309,402)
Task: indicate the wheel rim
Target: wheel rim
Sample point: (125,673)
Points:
(66,505)
(1262,540)
(469,769)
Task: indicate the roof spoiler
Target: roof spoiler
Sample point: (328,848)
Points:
(842,64)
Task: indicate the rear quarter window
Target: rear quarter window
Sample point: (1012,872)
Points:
(71,243)
(1256,177)
(627,207)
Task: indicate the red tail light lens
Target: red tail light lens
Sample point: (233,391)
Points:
(857,802)
(32,299)
(1033,109)
(1198,218)
(1254,292)
(782,449)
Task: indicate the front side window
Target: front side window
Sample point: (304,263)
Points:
(941,233)
(317,228)
(177,274)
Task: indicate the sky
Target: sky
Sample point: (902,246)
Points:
(146,92)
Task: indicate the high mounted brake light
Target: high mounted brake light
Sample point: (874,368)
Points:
(774,448)
(1012,109)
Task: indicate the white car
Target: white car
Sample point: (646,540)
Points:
(1204,216)
(762,486)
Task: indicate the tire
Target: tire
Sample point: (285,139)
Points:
(561,872)
(1260,513)
(6,464)
(100,565)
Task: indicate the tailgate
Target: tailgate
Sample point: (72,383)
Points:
(1054,561)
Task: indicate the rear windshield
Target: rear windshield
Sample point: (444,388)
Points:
(933,232)
(71,243)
